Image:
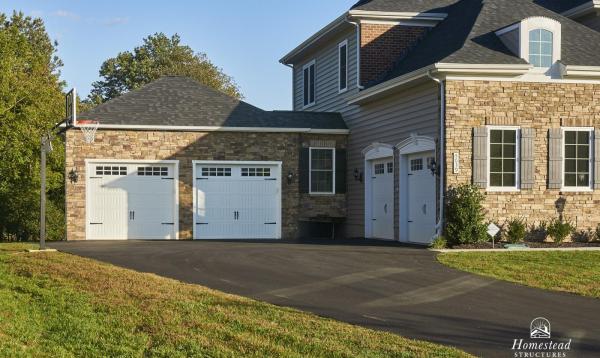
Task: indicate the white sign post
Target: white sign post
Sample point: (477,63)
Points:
(493,230)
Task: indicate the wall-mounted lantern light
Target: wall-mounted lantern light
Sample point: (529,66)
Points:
(73,176)
(433,166)
(290,177)
(358,175)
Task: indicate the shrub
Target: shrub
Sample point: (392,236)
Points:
(596,236)
(538,233)
(559,230)
(439,243)
(464,216)
(516,231)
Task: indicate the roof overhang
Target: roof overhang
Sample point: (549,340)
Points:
(356,16)
(141,127)
(439,70)
(583,9)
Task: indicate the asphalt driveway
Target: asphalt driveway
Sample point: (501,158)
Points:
(381,286)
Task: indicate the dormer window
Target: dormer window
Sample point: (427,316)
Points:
(540,48)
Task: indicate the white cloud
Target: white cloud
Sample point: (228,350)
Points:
(66,14)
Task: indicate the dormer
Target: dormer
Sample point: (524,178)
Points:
(537,40)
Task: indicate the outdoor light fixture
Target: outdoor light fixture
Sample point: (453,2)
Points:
(290,177)
(73,176)
(433,166)
(358,176)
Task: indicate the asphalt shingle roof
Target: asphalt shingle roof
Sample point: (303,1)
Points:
(403,5)
(468,36)
(560,5)
(182,101)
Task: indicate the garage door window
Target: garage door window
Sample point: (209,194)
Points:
(322,169)
(153,171)
(110,170)
(256,172)
(216,172)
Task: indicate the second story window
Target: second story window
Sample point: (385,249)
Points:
(540,48)
(308,74)
(343,66)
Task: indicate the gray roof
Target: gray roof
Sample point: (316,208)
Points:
(467,35)
(560,6)
(403,5)
(182,101)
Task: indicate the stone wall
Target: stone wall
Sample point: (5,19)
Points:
(188,146)
(536,105)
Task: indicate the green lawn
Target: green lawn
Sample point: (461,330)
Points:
(569,271)
(55,304)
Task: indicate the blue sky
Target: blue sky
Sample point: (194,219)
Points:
(246,38)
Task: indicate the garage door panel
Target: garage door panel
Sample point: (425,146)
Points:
(244,204)
(131,202)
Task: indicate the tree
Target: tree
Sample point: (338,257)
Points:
(159,55)
(31,102)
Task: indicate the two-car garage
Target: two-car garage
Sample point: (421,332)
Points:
(139,200)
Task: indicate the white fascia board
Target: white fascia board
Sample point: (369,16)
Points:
(386,15)
(582,71)
(582,9)
(504,69)
(219,129)
(314,38)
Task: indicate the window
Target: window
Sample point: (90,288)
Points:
(343,66)
(540,48)
(390,167)
(110,170)
(153,171)
(256,172)
(308,75)
(379,168)
(416,165)
(577,158)
(322,170)
(503,158)
(216,172)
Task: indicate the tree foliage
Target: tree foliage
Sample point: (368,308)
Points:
(158,56)
(31,102)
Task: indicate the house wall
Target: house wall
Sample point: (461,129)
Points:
(536,105)
(189,146)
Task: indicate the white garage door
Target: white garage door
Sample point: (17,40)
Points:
(131,201)
(237,200)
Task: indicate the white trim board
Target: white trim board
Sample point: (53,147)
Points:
(142,127)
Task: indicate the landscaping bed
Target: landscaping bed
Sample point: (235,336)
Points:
(61,305)
(533,244)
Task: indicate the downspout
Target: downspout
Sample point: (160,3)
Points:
(440,226)
(357,25)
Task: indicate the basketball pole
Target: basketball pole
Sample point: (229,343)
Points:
(43,197)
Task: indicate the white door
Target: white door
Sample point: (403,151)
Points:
(421,198)
(131,201)
(382,198)
(237,201)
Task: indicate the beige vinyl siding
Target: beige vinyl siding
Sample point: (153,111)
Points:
(327,96)
(389,120)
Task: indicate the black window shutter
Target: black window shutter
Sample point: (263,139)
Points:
(340,171)
(303,170)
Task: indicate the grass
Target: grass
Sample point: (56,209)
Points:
(568,271)
(56,304)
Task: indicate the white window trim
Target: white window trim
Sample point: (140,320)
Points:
(340,45)
(309,104)
(580,189)
(332,192)
(543,23)
(517,187)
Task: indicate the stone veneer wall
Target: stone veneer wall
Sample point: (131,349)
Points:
(188,146)
(538,105)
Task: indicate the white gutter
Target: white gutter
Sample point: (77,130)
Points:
(389,15)
(358,46)
(581,71)
(442,85)
(219,129)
